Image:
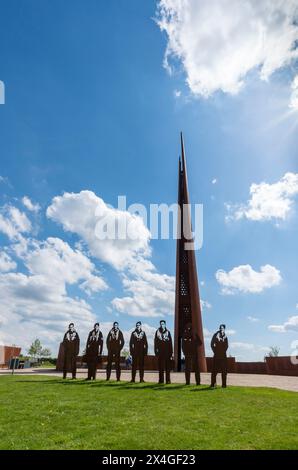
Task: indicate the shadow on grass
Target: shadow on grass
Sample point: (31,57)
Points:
(205,389)
(120,385)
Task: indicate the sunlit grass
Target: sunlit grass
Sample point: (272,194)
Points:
(38,412)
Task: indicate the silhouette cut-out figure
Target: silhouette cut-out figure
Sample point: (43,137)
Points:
(93,350)
(190,343)
(163,348)
(138,346)
(115,343)
(71,343)
(219,346)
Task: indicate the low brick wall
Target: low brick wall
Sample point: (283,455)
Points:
(281,366)
(232,365)
(251,368)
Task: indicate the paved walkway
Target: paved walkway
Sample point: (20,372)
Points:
(247,380)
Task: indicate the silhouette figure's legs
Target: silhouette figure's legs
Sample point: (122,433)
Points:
(197,370)
(134,368)
(89,371)
(198,377)
(224,379)
(187,369)
(161,368)
(214,371)
(74,367)
(117,365)
(213,378)
(168,370)
(65,368)
(93,372)
(141,368)
(109,366)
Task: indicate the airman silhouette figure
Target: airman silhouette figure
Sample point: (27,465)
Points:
(115,343)
(138,346)
(190,343)
(71,343)
(219,346)
(93,350)
(163,348)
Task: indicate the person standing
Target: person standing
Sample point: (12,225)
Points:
(115,343)
(93,350)
(219,346)
(71,343)
(163,348)
(138,346)
(190,344)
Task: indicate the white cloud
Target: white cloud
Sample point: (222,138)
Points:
(5,180)
(268,201)
(207,333)
(93,284)
(294,95)
(151,294)
(219,43)
(177,93)
(205,304)
(241,345)
(30,205)
(253,319)
(6,263)
(230,332)
(290,325)
(13,222)
(244,279)
(81,213)
(19,219)
(214,181)
(36,303)
(247,351)
(55,260)
(38,306)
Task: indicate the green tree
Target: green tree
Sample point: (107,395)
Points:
(35,349)
(274,351)
(46,352)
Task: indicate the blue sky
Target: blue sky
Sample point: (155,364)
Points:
(89,106)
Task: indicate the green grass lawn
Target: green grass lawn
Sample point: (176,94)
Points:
(39,412)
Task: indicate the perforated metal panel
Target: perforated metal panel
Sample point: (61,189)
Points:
(184,288)
(186,314)
(184,258)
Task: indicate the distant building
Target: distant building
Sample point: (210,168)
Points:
(6,353)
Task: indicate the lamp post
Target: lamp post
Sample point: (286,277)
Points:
(14,360)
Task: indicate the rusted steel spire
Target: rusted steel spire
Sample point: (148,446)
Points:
(187,300)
